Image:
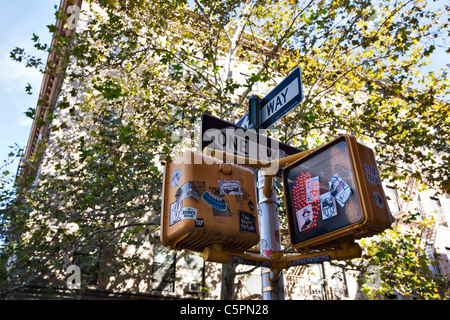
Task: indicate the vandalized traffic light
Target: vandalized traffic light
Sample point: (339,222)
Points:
(208,203)
(334,193)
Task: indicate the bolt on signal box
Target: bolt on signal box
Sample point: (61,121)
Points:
(206,202)
(334,193)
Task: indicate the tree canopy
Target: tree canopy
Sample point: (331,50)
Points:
(139,72)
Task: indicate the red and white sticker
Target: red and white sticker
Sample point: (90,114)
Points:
(312,189)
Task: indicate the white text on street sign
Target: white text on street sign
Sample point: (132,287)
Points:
(278,102)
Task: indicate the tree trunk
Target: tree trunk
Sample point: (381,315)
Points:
(227,286)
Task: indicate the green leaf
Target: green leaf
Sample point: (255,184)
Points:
(30,113)
(52,28)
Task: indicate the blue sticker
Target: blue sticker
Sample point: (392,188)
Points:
(214,201)
(175,178)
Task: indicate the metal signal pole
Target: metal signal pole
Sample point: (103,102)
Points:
(269,231)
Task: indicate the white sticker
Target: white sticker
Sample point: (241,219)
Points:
(340,190)
(328,205)
(189,213)
(230,187)
(188,189)
(177,213)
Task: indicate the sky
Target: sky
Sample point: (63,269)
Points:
(19,19)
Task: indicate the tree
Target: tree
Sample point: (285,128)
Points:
(139,72)
(396,262)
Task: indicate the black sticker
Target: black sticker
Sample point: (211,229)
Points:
(251,206)
(199,223)
(372,175)
(247,222)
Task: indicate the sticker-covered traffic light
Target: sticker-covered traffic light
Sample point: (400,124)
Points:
(207,202)
(334,193)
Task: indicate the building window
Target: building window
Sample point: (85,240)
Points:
(163,269)
(417,210)
(252,284)
(392,199)
(435,205)
(337,283)
(316,286)
(436,210)
(193,275)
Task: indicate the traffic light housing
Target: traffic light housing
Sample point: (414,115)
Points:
(334,193)
(207,203)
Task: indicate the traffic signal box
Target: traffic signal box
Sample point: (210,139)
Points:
(208,203)
(333,194)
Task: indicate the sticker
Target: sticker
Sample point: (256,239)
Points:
(309,260)
(230,187)
(340,190)
(242,260)
(277,236)
(328,206)
(187,190)
(214,201)
(312,189)
(175,212)
(372,175)
(251,206)
(247,222)
(199,223)
(189,213)
(268,253)
(305,218)
(378,200)
(175,178)
(262,245)
(178,213)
